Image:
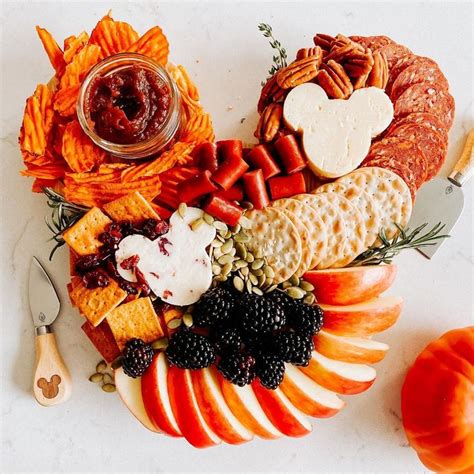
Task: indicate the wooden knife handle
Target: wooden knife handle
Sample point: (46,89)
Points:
(464,168)
(52,382)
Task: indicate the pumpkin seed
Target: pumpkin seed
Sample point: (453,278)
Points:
(240,264)
(241,250)
(197,223)
(101,366)
(258,253)
(219,237)
(236,228)
(245,271)
(228,234)
(295,292)
(216,243)
(249,258)
(253,279)
(238,283)
(220,278)
(285,285)
(175,323)
(309,298)
(249,285)
(306,285)
(216,269)
(117,363)
(96,378)
(161,343)
(257,291)
(261,280)
(188,320)
(220,226)
(226,248)
(108,379)
(271,288)
(245,222)
(257,272)
(225,259)
(217,253)
(294,280)
(268,271)
(232,251)
(208,218)
(256,264)
(182,208)
(108,387)
(227,268)
(241,237)
(268,281)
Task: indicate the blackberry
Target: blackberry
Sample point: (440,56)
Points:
(270,370)
(294,348)
(306,319)
(238,368)
(260,315)
(226,340)
(137,357)
(281,299)
(188,350)
(214,306)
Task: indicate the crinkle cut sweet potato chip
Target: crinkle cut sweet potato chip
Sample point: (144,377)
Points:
(152,44)
(65,100)
(54,52)
(79,151)
(74,44)
(198,129)
(113,36)
(187,89)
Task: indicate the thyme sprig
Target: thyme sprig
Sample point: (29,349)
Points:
(64,215)
(279,59)
(405,239)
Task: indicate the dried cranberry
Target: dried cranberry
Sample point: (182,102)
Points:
(95,279)
(161,244)
(127,228)
(112,269)
(130,263)
(112,236)
(128,286)
(142,283)
(87,263)
(152,228)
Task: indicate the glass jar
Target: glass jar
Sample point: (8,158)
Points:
(167,132)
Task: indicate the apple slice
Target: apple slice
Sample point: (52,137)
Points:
(285,416)
(244,405)
(186,410)
(339,377)
(349,349)
(156,398)
(214,408)
(308,396)
(130,391)
(350,285)
(362,319)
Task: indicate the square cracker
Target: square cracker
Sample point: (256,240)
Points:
(96,303)
(132,208)
(136,319)
(83,236)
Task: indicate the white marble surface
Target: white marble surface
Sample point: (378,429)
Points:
(227,56)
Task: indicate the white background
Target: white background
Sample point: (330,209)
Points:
(227,56)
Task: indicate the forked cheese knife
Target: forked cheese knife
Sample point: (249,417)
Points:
(52,382)
(442,200)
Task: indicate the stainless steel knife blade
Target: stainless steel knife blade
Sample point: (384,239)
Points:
(44,301)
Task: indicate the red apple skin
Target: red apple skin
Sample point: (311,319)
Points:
(305,404)
(341,286)
(273,406)
(211,412)
(151,393)
(362,319)
(333,381)
(243,413)
(186,410)
(338,349)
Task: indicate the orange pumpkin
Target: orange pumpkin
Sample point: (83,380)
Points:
(438,403)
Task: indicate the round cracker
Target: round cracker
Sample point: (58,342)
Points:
(388,190)
(364,203)
(315,225)
(277,238)
(334,223)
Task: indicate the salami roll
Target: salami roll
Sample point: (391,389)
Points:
(405,152)
(430,141)
(421,71)
(421,118)
(427,97)
(372,42)
(394,52)
(398,168)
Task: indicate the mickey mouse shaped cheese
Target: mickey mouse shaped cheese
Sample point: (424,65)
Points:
(336,134)
(176,266)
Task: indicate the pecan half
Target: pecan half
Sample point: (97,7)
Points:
(299,72)
(269,90)
(307,52)
(358,63)
(334,80)
(378,76)
(323,41)
(269,122)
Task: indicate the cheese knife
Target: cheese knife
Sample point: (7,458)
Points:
(441,200)
(52,382)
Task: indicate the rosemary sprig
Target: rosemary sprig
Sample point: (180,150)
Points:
(64,215)
(279,60)
(388,249)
